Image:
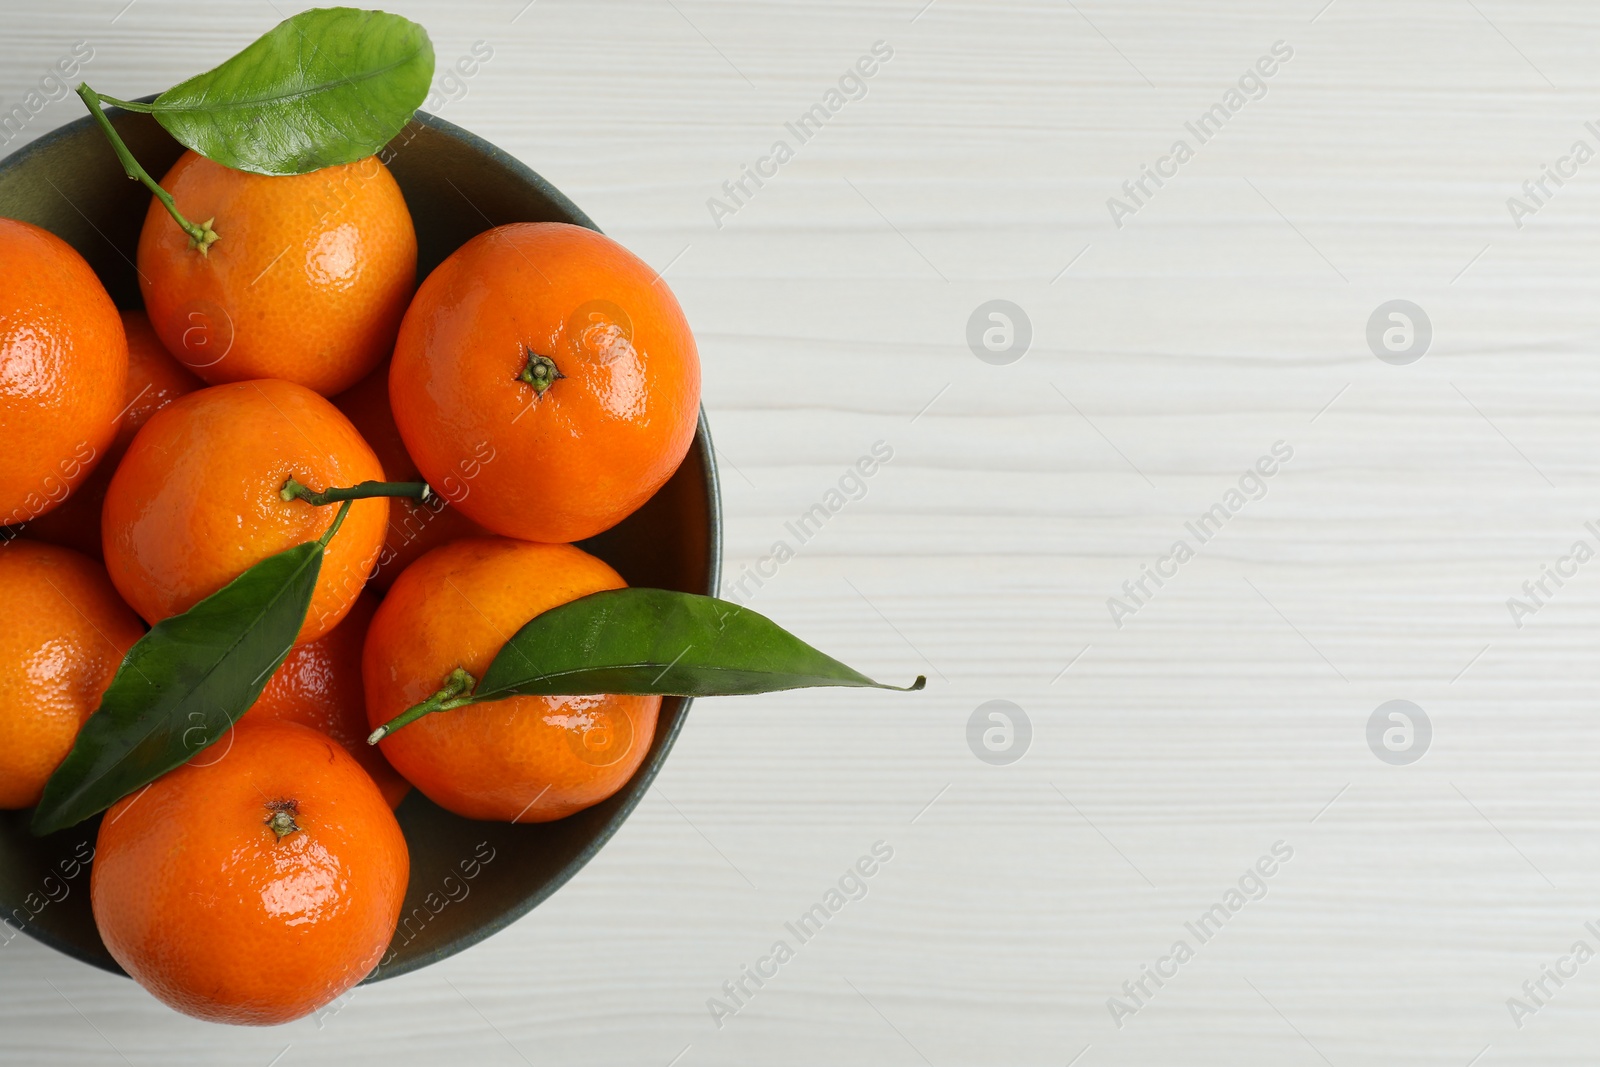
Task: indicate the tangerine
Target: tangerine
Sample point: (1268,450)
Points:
(197,499)
(307,281)
(414,527)
(522,759)
(253,887)
(562,355)
(319,685)
(155,379)
(63,365)
(66,632)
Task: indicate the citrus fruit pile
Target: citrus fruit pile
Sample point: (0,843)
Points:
(164,449)
(344,505)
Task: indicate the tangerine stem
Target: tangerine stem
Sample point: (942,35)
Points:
(281,821)
(364,491)
(202,236)
(457,692)
(540,372)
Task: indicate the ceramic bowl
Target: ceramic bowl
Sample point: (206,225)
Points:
(468,879)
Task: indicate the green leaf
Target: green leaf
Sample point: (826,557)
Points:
(659,641)
(182,685)
(331,85)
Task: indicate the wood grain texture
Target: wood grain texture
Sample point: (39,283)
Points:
(1229,713)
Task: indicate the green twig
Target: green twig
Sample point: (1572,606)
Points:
(292,489)
(457,692)
(202,236)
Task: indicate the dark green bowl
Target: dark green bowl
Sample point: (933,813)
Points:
(468,879)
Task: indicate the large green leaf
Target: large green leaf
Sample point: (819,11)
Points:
(182,685)
(330,85)
(659,641)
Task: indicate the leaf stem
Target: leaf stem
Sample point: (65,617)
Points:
(364,491)
(338,521)
(202,236)
(127,105)
(457,691)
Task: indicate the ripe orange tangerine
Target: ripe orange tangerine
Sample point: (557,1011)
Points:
(65,633)
(523,759)
(198,500)
(307,281)
(254,887)
(63,365)
(563,356)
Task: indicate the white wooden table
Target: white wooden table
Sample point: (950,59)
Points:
(1229,711)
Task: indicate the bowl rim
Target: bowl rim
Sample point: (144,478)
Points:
(638,785)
